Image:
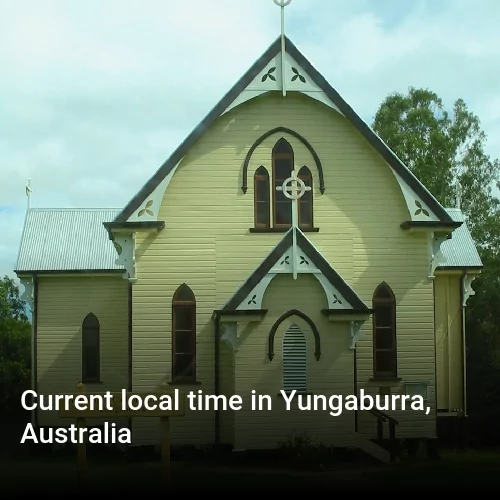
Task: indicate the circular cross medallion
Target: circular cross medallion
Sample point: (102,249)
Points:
(293,188)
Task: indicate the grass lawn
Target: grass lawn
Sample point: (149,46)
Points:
(454,472)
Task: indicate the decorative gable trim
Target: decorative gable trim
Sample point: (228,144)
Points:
(297,79)
(150,207)
(340,295)
(291,132)
(313,77)
(417,207)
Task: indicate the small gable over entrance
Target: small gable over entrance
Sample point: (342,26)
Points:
(286,258)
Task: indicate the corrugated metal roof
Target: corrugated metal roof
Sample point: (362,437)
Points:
(460,250)
(67,239)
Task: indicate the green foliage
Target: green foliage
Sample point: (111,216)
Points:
(441,148)
(15,348)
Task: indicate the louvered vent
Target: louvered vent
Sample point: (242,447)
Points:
(294,360)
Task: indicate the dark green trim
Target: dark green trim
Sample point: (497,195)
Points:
(385,379)
(459,268)
(130,336)
(239,312)
(355,386)
(318,260)
(216,319)
(444,225)
(345,312)
(69,271)
(184,382)
(291,132)
(462,339)
(435,348)
(281,229)
(150,224)
(34,362)
(370,136)
(130,378)
(310,322)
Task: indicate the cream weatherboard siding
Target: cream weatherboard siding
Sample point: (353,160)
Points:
(63,303)
(206,244)
(449,347)
(332,374)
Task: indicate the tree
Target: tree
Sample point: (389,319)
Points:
(441,148)
(15,347)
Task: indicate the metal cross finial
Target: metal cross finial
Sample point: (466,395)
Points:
(28,192)
(282,4)
(294,188)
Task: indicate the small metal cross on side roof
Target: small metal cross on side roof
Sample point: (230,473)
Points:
(28,192)
(294,188)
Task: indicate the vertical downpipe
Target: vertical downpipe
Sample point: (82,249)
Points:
(464,345)
(449,345)
(34,348)
(355,388)
(217,376)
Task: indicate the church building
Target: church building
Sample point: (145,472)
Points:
(282,246)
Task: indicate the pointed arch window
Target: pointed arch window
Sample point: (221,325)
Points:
(282,160)
(306,202)
(385,360)
(91,356)
(294,360)
(272,209)
(261,198)
(183,335)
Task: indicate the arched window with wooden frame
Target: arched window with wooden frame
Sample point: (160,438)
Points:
(282,160)
(385,358)
(183,335)
(306,202)
(262,208)
(91,347)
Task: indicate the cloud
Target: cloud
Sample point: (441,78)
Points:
(96,95)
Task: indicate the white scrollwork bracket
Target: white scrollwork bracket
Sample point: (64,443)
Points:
(230,334)
(436,257)
(28,292)
(467,291)
(125,247)
(356,332)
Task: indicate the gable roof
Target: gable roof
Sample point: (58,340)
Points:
(460,250)
(341,292)
(67,239)
(332,94)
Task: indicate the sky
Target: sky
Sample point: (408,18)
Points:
(95,95)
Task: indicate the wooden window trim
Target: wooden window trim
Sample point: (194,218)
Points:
(280,156)
(191,304)
(270,178)
(259,177)
(384,302)
(308,180)
(85,328)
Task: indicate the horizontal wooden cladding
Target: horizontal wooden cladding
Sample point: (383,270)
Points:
(207,244)
(63,304)
(333,373)
(449,343)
